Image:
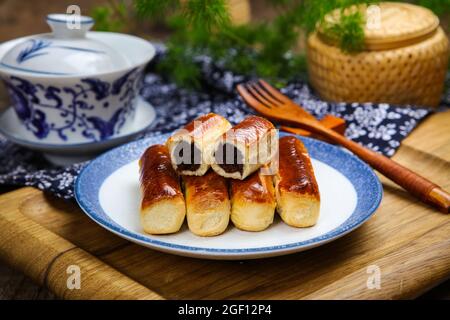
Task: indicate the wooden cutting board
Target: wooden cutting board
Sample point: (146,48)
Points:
(408,241)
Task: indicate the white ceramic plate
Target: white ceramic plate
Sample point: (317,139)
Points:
(108,191)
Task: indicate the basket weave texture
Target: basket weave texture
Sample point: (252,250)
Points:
(411,73)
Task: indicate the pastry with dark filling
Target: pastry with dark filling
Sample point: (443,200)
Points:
(191,147)
(162,206)
(245,148)
(296,189)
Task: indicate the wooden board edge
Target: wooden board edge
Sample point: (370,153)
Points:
(52,261)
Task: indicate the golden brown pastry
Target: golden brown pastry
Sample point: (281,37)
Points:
(207,203)
(191,147)
(252,202)
(245,148)
(297,192)
(162,207)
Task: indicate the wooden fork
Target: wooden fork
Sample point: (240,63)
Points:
(277,107)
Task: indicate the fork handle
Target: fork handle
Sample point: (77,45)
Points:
(417,185)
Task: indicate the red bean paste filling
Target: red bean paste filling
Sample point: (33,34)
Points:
(192,161)
(232,163)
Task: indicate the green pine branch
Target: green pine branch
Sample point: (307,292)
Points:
(265,49)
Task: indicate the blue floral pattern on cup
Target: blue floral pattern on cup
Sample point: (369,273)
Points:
(33,103)
(37,47)
(34,50)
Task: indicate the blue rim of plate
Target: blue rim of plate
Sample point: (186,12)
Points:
(367,185)
(17,140)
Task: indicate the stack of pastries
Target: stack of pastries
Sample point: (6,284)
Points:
(209,172)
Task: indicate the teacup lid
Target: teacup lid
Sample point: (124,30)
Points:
(68,50)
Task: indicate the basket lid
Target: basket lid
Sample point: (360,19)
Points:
(392,24)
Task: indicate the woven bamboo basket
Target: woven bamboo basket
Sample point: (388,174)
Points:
(404,61)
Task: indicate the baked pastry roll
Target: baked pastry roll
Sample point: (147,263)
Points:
(191,147)
(245,148)
(297,192)
(207,203)
(252,202)
(162,206)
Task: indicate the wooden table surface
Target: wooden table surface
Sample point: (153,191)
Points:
(409,241)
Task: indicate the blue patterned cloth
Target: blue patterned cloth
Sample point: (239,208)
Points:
(380,127)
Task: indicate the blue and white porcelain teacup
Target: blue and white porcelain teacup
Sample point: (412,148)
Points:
(74,86)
